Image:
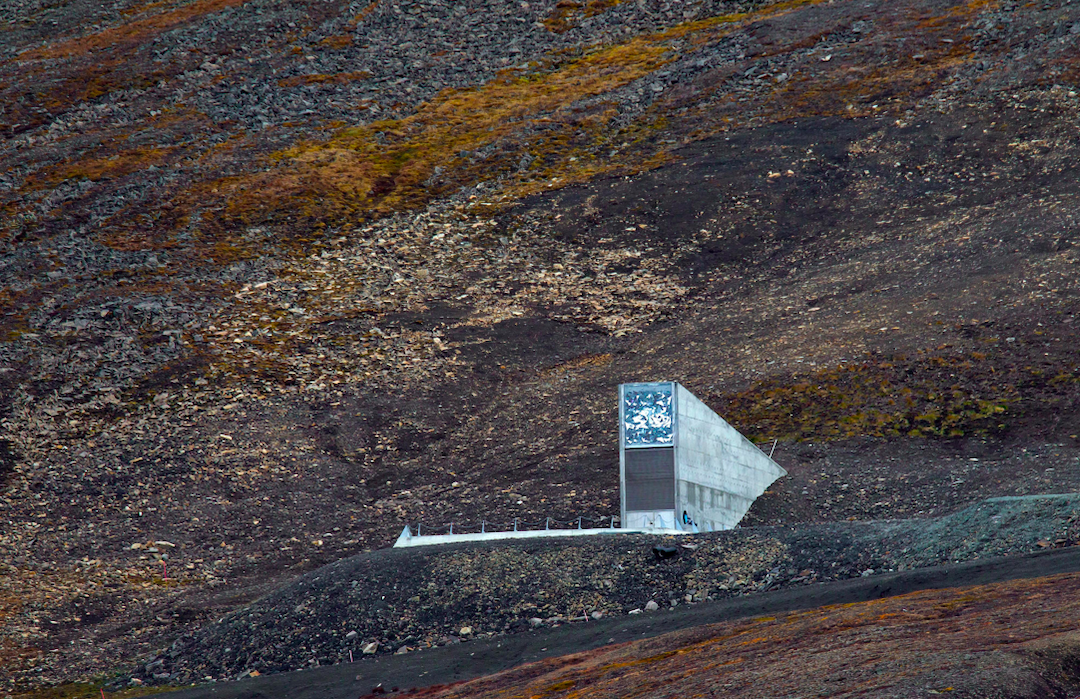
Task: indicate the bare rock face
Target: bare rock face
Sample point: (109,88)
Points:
(278,279)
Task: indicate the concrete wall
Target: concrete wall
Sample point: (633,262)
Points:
(718,472)
(654,519)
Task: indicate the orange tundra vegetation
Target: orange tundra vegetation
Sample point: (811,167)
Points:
(384,165)
(100,63)
(568,13)
(134,33)
(106,166)
(466,136)
(940,45)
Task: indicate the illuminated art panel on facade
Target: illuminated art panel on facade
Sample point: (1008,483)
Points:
(648,419)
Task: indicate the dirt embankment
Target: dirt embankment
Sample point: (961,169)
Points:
(878,634)
(403,600)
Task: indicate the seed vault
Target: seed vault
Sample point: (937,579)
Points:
(681,466)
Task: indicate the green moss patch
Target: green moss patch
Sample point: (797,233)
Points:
(929,394)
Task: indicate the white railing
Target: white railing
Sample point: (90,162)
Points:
(518,525)
(518,529)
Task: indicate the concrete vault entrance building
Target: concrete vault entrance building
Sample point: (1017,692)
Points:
(682,469)
(681,466)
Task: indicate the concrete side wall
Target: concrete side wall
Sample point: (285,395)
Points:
(640,519)
(719,473)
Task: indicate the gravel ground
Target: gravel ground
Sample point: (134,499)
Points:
(397,601)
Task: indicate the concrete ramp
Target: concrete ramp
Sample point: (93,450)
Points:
(407,538)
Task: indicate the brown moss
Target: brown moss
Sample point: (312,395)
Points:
(339,41)
(583,362)
(10,605)
(568,13)
(138,32)
(58,88)
(362,16)
(320,78)
(82,68)
(16,305)
(143,8)
(1063,70)
(853,90)
(465,136)
(386,165)
(873,646)
(103,167)
(457,139)
(559,20)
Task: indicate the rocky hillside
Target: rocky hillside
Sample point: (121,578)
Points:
(278,277)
